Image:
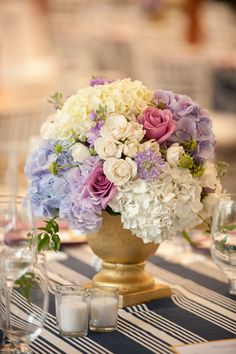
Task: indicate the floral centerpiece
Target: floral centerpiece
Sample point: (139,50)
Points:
(119,147)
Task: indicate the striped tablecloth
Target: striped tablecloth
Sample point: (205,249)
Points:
(199,310)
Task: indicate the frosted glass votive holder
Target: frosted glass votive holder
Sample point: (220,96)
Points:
(103,310)
(72,310)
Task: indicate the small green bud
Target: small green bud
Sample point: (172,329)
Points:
(197,170)
(186,161)
(53,168)
(92,152)
(82,138)
(190,145)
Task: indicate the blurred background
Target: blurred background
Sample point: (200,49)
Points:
(188,46)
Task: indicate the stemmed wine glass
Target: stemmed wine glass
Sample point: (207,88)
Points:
(223,239)
(7,215)
(22,224)
(24,298)
(18,221)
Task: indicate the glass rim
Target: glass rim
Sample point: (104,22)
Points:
(60,289)
(99,289)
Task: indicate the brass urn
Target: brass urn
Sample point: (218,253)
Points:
(123,265)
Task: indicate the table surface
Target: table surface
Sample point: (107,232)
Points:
(199,310)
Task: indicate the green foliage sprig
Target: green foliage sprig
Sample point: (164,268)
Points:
(57,100)
(47,239)
(26,283)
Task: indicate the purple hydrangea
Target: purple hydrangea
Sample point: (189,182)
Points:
(192,123)
(79,217)
(46,189)
(82,210)
(149,164)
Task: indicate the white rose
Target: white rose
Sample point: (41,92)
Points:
(114,128)
(119,171)
(150,144)
(106,148)
(131,148)
(79,152)
(173,154)
(209,177)
(135,131)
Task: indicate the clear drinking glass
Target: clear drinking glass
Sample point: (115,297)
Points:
(223,239)
(72,310)
(104,301)
(23,297)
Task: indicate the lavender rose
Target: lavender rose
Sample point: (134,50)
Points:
(158,123)
(99,186)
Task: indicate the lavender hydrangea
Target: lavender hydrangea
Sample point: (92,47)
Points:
(192,124)
(47,189)
(149,164)
(80,210)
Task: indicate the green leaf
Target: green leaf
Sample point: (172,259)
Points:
(26,283)
(110,211)
(186,236)
(57,100)
(56,240)
(44,243)
(221,168)
(220,245)
(229,227)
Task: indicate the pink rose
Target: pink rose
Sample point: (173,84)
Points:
(99,186)
(158,123)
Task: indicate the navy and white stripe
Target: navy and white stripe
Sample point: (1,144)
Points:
(200,309)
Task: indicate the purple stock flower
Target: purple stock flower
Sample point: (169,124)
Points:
(93,115)
(149,164)
(99,80)
(95,132)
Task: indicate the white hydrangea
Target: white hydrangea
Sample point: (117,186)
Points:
(157,210)
(121,97)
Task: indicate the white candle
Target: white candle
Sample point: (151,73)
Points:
(103,311)
(73,315)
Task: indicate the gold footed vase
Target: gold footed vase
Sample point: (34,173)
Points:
(123,265)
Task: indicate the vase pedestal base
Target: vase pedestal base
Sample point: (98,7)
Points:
(158,291)
(135,284)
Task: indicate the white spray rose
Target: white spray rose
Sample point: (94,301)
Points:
(131,148)
(115,128)
(135,131)
(209,177)
(119,171)
(173,154)
(80,152)
(107,148)
(150,144)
